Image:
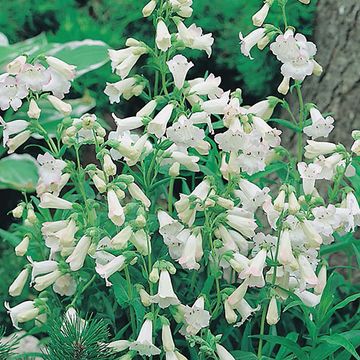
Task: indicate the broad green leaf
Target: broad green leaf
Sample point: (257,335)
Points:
(284,351)
(120,289)
(18,172)
(244,355)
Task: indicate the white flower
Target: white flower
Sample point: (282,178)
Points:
(165,296)
(284,86)
(320,127)
(18,284)
(309,173)
(308,298)
(12,128)
(238,294)
(141,240)
(272,316)
(263,109)
(296,54)
(17,141)
(256,264)
(209,86)
(15,67)
(50,201)
(222,353)
(163,37)
(286,256)
(42,267)
(306,271)
(116,211)
(188,256)
(11,92)
(50,169)
(34,77)
(195,318)
(259,18)
(167,339)
(179,67)
(157,125)
(68,71)
(180,156)
(193,37)
(312,236)
(105,271)
(216,106)
(144,343)
(77,257)
(249,41)
(242,221)
(183,9)
(251,196)
(44,281)
(148,109)
(23,312)
(245,311)
(65,285)
(127,88)
(58,84)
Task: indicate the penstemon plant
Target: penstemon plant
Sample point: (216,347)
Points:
(193,217)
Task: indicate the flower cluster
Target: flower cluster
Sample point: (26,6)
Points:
(179,188)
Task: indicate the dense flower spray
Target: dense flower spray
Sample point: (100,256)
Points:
(179,193)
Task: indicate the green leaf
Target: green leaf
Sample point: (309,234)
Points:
(120,289)
(338,339)
(290,344)
(244,355)
(18,172)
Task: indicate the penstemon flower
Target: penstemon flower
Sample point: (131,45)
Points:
(190,199)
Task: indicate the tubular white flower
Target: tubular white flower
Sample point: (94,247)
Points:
(166,295)
(116,211)
(23,312)
(65,285)
(279,202)
(119,345)
(308,298)
(188,257)
(222,353)
(144,343)
(286,256)
(313,237)
(306,271)
(68,71)
(179,67)
(42,267)
(14,143)
(50,201)
(196,317)
(22,247)
(167,339)
(272,316)
(141,240)
(18,284)
(148,109)
(238,294)
(230,314)
(60,105)
(315,148)
(257,264)
(77,257)
(163,37)
(105,271)
(245,311)
(120,240)
(66,235)
(249,41)
(138,194)
(109,166)
(157,125)
(242,221)
(42,282)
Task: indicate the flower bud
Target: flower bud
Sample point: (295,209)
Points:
(18,284)
(99,183)
(22,247)
(149,8)
(294,205)
(279,202)
(318,70)
(34,110)
(284,86)
(230,314)
(18,211)
(18,140)
(259,18)
(272,316)
(138,194)
(175,169)
(109,166)
(145,298)
(163,37)
(154,275)
(60,105)
(322,277)
(167,339)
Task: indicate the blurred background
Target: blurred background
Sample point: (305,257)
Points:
(334,25)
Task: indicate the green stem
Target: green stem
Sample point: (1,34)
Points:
(132,314)
(262,331)
(82,291)
(171,194)
(301,124)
